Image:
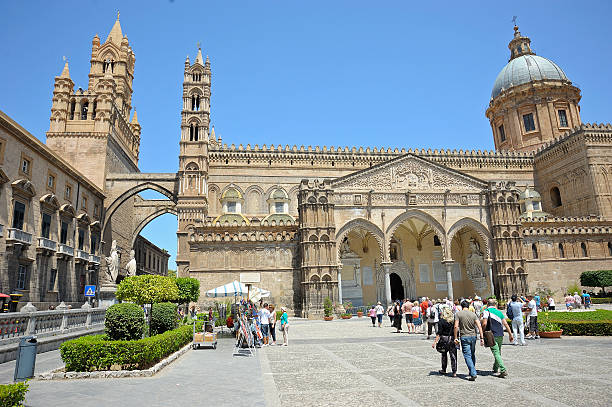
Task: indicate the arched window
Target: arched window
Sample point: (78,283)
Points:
(72,108)
(609,249)
(561,251)
(437,241)
(555,197)
(193,103)
(584,250)
(84,110)
(93,112)
(534,251)
(195,133)
(191,132)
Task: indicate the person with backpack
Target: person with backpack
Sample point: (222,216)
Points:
(586,299)
(433,318)
(417,321)
(515,313)
(445,341)
(495,323)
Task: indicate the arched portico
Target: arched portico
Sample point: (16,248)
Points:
(423,217)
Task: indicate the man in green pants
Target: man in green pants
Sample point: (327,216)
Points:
(494,320)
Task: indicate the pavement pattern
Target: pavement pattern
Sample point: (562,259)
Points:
(349,363)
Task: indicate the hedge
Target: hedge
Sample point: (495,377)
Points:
(13,395)
(591,323)
(96,352)
(600,300)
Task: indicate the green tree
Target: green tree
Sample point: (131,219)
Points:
(147,289)
(172,273)
(598,278)
(188,289)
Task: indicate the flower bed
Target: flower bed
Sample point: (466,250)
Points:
(591,323)
(95,352)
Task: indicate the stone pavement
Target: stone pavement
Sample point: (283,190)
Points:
(349,363)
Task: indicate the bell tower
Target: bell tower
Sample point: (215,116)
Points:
(192,205)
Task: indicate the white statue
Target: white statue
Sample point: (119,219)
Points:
(131,266)
(358,274)
(475,266)
(344,247)
(112,263)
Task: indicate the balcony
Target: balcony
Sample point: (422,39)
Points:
(1,230)
(18,236)
(66,250)
(94,259)
(82,255)
(47,244)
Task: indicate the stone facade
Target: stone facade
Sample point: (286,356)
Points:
(150,258)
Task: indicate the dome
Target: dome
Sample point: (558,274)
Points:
(231,193)
(529,193)
(524,69)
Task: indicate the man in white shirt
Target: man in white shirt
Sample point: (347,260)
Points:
(380,311)
(433,318)
(264,320)
(532,313)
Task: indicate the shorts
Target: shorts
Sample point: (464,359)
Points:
(265,329)
(409,318)
(417,321)
(533,324)
(379,316)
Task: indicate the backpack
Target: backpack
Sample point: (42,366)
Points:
(509,311)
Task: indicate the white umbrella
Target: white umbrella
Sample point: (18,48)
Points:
(236,288)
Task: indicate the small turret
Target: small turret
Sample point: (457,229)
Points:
(65,72)
(519,45)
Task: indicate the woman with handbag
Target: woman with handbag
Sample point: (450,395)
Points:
(284,320)
(445,340)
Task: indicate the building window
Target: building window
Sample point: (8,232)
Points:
(18,215)
(46,225)
(562,118)
(436,241)
(609,249)
(84,203)
(279,207)
(94,244)
(52,278)
(534,251)
(84,110)
(584,250)
(51,181)
(555,197)
(68,192)
(81,239)
(536,205)
(26,165)
(22,276)
(72,108)
(96,210)
(502,133)
(561,251)
(231,207)
(528,122)
(64,232)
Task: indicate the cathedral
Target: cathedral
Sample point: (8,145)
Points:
(352,223)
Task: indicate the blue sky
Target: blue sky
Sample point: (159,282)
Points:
(390,73)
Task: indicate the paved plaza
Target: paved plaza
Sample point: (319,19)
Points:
(349,363)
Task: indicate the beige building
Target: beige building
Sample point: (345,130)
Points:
(150,259)
(355,223)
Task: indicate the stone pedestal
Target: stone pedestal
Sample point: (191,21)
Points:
(108,295)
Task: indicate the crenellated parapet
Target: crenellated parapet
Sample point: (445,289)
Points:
(578,137)
(565,226)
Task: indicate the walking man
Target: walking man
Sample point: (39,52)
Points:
(264,320)
(532,310)
(433,319)
(515,313)
(466,323)
(494,319)
(380,311)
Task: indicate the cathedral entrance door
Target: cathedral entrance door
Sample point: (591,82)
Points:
(397,289)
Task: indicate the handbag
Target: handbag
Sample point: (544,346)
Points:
(442,345)
(489,339)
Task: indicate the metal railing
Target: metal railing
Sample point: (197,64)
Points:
(16,324)
(65,249)
(45,243)
(82,255)
(19,236)
(94,259)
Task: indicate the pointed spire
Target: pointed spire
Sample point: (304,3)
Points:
(207,61)
(199,59)
(212,133)
(115,35)
(135,118)
(65,71)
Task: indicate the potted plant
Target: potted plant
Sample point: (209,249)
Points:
(327,309)
(550,330)
(348,308)
(346,315)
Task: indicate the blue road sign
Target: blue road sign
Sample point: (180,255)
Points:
(90,291)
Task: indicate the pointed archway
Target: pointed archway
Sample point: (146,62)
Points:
(397,289)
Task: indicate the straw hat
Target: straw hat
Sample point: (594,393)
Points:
(283,309)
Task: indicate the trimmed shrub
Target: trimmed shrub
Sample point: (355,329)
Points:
(596,300)
(95,352)
(586,328)
(592,323)
(124,322)
(188,289)
(13,395)
(147,289)
(164,317)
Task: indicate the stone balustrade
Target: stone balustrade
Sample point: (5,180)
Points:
(29,321)
(48,244)
(65,249)
(82,255)
(94,259)
(18,235)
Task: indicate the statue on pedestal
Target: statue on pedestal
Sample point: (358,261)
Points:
(131,266)
(112,264)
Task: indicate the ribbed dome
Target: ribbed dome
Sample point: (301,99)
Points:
(525,69)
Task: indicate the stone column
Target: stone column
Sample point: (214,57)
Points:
(449,279)
(490,271)
(387,268)
(340,284)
